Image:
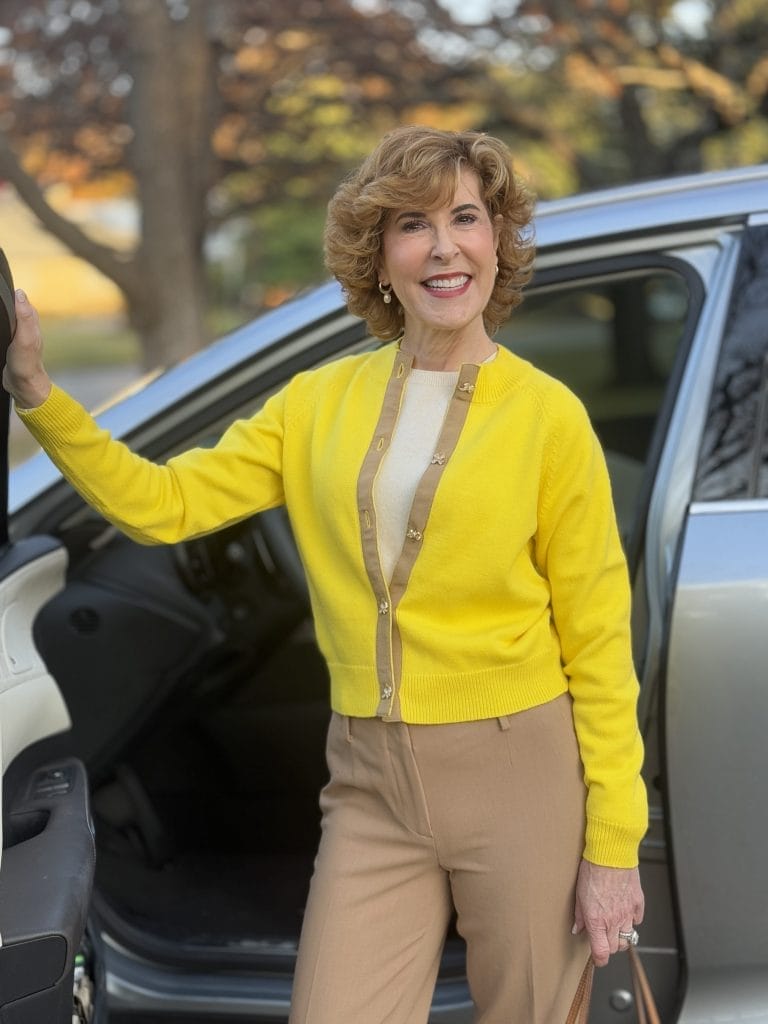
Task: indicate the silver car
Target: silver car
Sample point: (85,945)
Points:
(198,700)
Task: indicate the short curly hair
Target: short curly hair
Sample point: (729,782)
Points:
(419,167)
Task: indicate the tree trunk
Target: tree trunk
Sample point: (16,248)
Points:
(170,156)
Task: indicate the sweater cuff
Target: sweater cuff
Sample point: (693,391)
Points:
(611,845)
(58,417)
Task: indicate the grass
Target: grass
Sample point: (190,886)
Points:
(73,343)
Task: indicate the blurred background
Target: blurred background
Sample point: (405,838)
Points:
(165,164)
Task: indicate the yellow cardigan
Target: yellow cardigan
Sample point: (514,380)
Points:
(512,586)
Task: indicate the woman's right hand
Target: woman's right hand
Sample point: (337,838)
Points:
(24,376)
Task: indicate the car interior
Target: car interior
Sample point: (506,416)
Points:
(199,699)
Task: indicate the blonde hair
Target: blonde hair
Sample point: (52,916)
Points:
(420,168)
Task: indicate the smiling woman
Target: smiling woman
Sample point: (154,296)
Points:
(453,512)
(413,170)
(441,267)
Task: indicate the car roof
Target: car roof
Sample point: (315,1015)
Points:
(659,206)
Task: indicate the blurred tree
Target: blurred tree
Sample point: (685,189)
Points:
(595,92)
(249,111)
(203,112)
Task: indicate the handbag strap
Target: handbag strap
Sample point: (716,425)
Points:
(644,1001)
(579,1010)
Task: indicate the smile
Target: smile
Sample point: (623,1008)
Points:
(447,285)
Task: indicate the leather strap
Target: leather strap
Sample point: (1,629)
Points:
(579,1011)
(644,1001)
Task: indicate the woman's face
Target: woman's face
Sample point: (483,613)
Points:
(441,262)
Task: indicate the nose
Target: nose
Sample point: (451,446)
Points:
(444,245)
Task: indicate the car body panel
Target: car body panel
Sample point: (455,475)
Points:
(717,759)
(717,197)
(716,715)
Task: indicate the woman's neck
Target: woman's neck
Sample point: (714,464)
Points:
(446,351)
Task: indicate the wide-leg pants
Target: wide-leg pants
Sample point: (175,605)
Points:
(485,817)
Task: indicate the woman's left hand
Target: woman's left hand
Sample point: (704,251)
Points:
(608,901)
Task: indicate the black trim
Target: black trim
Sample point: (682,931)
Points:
(7,330)
(45,887)
(664,741)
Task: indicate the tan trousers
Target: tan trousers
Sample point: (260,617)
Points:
(486,817)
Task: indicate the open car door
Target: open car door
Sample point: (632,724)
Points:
(46,870)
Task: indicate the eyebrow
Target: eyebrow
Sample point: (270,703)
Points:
(420,213)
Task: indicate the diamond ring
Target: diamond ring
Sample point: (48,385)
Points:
(631,937)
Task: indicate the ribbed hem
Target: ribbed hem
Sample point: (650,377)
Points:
(612,844)
(459,697)
(58,417)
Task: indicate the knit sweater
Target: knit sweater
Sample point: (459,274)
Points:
(511,587)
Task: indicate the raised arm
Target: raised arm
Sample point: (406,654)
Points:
(196,492)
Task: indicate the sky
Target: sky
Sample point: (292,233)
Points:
(691,14)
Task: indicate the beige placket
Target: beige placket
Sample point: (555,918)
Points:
(388,596)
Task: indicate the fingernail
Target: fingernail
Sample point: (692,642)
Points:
(21,295)
(574,930)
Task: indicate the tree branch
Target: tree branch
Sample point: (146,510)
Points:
(110,262)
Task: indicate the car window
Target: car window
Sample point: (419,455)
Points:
(613,340)
(733,461)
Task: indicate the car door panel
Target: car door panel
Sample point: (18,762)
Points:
(716,721)
(45,887)
(47,864)
(31,705)
(715,706)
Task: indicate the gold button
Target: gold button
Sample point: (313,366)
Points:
(467,387)
(383,607)
(386,693)
(438,459)
(413,534)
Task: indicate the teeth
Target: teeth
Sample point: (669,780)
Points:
(448,282)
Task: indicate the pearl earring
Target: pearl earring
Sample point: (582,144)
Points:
(386,292)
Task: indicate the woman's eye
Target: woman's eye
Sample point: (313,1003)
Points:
(467,218)
(412,225)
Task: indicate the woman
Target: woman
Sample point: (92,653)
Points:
(453,512)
